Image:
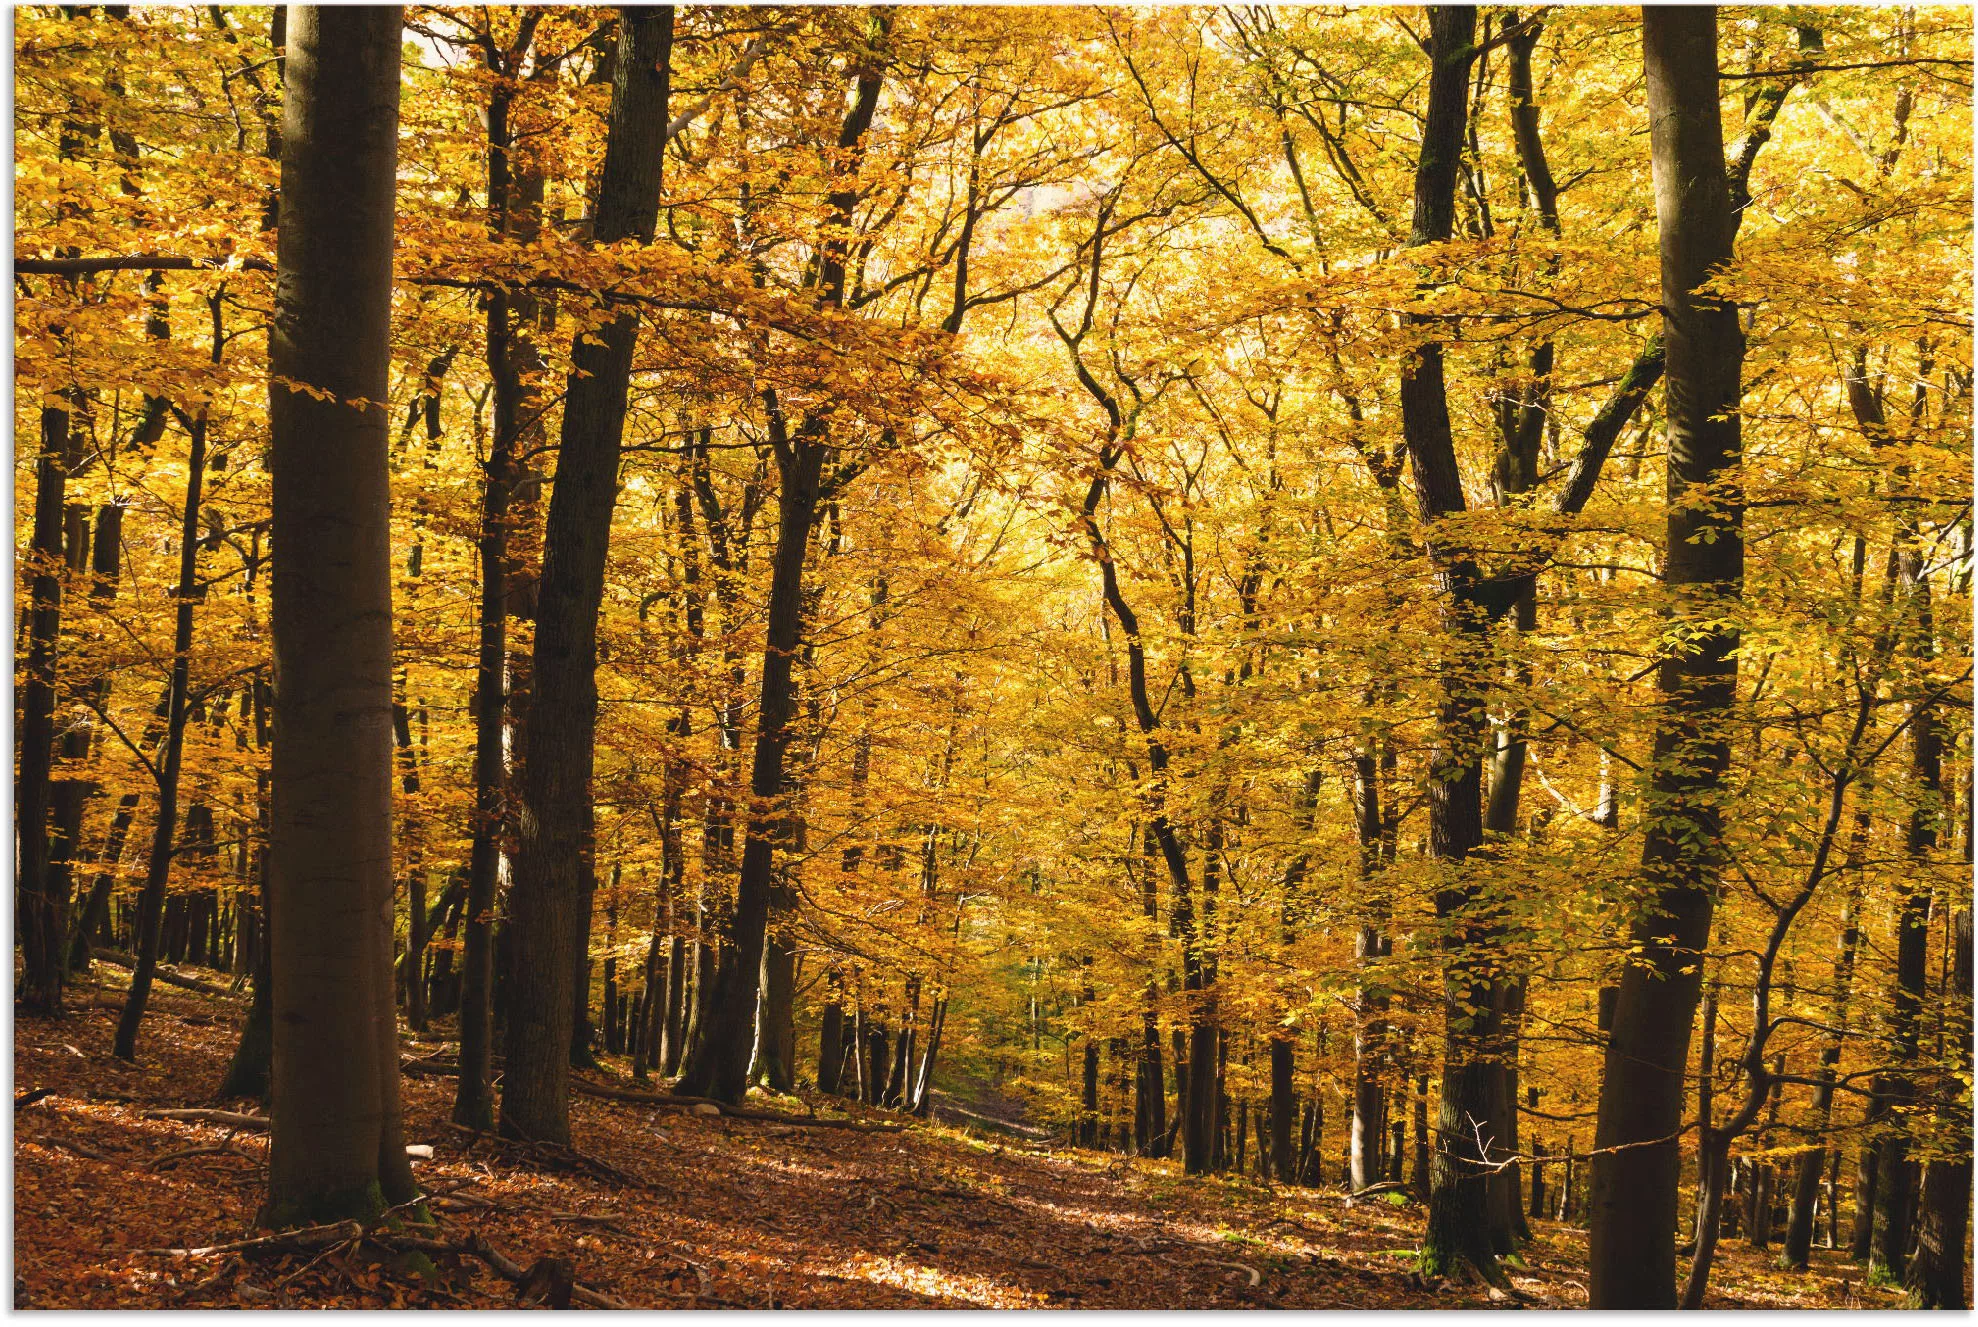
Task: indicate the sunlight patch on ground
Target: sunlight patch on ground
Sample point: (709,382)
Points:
(914,1278)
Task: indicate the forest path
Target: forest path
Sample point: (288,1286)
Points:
(727,1213)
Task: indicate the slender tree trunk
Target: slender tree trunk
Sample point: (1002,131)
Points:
(718,1062)
(1637,1162)
(151,902)
(1895,1206)
(553,861)
(1936,1272)
(1806,1186)
(337,1147)
(41,916)
(106,568)
(1284,1108)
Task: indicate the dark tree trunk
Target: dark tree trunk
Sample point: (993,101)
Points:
(1936,1271)
(473,1103)
(718,1062)
(1895,1197)
(1284,1107)
(41,916)
(553,860)
(1637,1163)
(1798,1249)
(1088,1100)
(337,1147)
(831,1040)
(157,873)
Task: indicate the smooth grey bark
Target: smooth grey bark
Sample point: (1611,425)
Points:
(336,1144)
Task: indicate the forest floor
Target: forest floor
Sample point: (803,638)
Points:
(709,1212)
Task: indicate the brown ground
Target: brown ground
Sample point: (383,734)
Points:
(734,1213)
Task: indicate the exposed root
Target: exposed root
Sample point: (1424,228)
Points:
(548,1280)
(558,1158)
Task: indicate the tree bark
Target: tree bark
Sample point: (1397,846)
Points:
(553,861)
(1798,1245)
(1637,1161)
(337,1148)
(158,869)
(1936,1272)
(718,1062)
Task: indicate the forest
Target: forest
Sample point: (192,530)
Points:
(757,656)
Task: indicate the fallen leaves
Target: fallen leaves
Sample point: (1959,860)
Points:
(126,1196)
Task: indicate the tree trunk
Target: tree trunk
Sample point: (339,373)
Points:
(158,869)
(1798,1249)
(718,1062)
(831,1039)
(553,861)
(1936,1272)
(1284,1108)
(1637,1162)
(1895,1198)
(42,917)
(336,1147)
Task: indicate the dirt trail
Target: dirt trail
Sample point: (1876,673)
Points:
(731,1213)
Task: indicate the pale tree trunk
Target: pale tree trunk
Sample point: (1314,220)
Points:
(549,896)
(336,1147)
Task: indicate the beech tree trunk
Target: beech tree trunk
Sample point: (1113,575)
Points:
(553,864)
(1637,1162)
(1798,1248)
(158,869)
(718,1061)
(336,1145)
(1936,1272)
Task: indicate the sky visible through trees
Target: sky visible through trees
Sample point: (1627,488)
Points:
(1376,599)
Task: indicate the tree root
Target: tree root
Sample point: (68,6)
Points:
(558,1158)
(549,1280)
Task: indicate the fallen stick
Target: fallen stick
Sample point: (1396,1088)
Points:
(206,1115)
(29,1098)
(80,1149)
(185,1153)
(314,1239)
(307,1240)
(162,973)
(665,1099)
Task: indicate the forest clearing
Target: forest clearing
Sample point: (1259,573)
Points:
(865,656)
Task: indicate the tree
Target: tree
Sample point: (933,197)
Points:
(555,865)
(1636,1169)
(337,1148)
